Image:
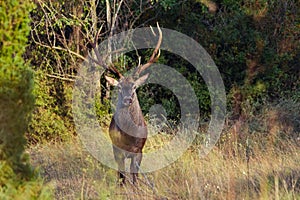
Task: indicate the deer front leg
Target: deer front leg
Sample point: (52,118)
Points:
(120,160)
(135,165)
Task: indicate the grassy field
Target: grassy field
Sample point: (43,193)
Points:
(222,174)
(257,158)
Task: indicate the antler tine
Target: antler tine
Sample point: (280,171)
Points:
(100,60)
(155,55)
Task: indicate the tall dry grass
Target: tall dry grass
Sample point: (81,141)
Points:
(257,158)
(269,175)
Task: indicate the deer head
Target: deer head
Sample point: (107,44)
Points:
(127,89)
(127,85)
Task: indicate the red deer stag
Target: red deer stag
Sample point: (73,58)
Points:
(128,130)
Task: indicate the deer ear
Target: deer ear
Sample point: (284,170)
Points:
(141,80)
(111,81)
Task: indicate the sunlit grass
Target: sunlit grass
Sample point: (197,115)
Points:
(268,175)
(254,159)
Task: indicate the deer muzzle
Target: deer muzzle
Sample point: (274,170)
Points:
(127,101)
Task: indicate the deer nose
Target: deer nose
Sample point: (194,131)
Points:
(127,101)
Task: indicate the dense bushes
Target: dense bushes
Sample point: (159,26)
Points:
(51,119)
(17,179)
(255,45)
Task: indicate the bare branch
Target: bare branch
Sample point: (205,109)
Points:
(59,77)
(58,48)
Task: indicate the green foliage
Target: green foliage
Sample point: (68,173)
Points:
(167,4)
(17,179)
(102,111)
(16,99)
(14,187)
(51,119)
(255,45)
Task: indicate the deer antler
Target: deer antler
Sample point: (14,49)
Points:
(155,55)
(101,60)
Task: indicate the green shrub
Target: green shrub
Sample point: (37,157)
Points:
(102,111)
(17,179)
(49,121)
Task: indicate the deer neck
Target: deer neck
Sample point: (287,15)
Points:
(133,111)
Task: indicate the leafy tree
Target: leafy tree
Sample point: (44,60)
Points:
(16,102)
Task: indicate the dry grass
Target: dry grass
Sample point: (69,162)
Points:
(257,158)
(269,175)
